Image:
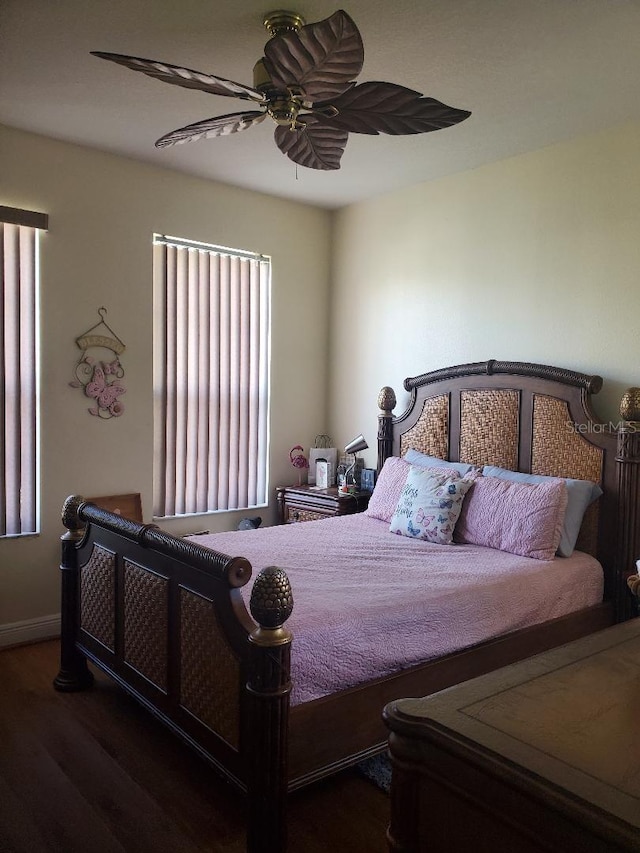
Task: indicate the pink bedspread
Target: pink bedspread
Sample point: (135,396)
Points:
(368,603)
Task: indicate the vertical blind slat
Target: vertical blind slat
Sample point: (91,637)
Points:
(263,390)
(27,355)
(159,384)
(12,403)
(254,381)
(18,388)
(170,384)
(214,386)
(3,384)
(192,381)
(244,400)
(181,379)
(214,367)
(204,343)
(224,446)
(234,379)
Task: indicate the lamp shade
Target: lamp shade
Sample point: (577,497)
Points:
(356,444)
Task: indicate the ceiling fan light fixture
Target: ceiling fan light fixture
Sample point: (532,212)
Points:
(261,79)
(284,111)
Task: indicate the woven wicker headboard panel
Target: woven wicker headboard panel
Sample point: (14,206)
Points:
(557,450)
(489,428)
(489,434)
(430,434)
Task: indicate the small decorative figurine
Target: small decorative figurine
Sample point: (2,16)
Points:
(298,460)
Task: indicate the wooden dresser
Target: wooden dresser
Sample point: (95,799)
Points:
(543,755)
(308,503)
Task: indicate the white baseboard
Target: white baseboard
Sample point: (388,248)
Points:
(30,630)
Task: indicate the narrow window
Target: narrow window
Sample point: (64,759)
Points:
(19,356)
(211,378)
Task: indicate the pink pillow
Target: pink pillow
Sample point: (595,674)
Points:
(389,485)
(521,518)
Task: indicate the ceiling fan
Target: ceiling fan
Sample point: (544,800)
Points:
(305,82)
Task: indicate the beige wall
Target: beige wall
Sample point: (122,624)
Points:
(536,258)
(103,211)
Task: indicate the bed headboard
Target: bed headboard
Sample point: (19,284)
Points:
(532,418)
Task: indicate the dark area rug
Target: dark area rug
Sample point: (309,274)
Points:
(378,770)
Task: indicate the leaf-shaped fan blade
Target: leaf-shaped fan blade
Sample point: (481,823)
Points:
(322,59)
(218,126)
(388,108)
(184,77)
(319,145)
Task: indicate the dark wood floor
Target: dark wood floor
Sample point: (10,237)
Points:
(92,772)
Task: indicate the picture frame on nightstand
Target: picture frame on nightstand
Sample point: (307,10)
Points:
(367,480)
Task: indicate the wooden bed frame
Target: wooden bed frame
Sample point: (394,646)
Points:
(164,617)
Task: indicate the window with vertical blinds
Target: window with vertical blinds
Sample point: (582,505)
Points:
(19,356)
(211,378)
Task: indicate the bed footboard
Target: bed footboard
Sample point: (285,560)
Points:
(165,618)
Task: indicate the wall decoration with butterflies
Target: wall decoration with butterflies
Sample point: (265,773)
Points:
(99,371)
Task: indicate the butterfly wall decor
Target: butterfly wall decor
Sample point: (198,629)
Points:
(99,371)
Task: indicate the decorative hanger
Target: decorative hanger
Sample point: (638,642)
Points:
(91,338)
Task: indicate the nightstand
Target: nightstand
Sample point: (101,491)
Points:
(308,503)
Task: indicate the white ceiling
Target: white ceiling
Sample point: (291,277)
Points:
(532,72)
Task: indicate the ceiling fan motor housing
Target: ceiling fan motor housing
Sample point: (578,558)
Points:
(280,22)
(281,106)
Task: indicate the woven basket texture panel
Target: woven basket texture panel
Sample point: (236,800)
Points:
(210,682)
(559,450)
(304,515)
(430,434)
(97,602)
(145,623)
(489,428)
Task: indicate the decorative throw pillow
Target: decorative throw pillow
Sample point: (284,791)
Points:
(389,485)
(429,505)
(580,493)
(521,518)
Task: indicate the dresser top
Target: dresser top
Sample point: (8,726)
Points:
(569,717)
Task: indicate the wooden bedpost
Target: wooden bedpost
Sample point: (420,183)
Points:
(268,688)
(628,544)
(74,673)
(386,402)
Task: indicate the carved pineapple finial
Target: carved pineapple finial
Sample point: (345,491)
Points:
(630,405)
(387,399)
(271,598)
(70,513)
